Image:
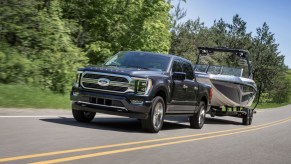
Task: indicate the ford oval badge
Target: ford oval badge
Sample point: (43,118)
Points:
(103,82)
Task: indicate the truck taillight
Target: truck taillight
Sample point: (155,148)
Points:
(210,94)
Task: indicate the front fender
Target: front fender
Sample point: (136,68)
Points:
(160,84)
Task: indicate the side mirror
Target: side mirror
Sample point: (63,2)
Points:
(179,76)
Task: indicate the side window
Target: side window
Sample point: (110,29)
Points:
(177,67)
(187,68)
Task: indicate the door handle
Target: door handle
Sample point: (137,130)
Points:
(185,86)
(195,88)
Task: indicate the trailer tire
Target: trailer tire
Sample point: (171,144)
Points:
(248,118)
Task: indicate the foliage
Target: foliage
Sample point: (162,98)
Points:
(23,96)
(270,105)
(268,63)
(103,28)
(36,46)
(43,42)
(288,77)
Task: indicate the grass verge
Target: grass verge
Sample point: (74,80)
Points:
(22,96)
(270,105)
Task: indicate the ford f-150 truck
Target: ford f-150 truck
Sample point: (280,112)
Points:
(143,85)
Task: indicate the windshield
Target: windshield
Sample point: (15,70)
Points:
(225,62)
(219,70)
(141,60)
(232,71)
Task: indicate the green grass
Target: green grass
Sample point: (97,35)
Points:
(275,105)
(269,105)
(288,77)
(22,96)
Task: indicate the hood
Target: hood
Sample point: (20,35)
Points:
(136,72)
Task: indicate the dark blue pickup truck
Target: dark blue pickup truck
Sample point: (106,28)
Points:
(143,85)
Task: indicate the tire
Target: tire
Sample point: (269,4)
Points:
(83,116)
(154,122)
(248,118)
(198,119)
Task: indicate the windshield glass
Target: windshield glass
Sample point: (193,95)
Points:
(219,70)
(224,63)
(214,69)
(231,71)
(141,60)
(200,68)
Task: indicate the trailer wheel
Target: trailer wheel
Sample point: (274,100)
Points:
(248,118)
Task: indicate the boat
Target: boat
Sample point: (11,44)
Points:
(233,87)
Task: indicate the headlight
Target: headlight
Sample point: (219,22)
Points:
(141,86)
(78,77)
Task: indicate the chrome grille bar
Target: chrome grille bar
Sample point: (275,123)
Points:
(111,83)
(113,86)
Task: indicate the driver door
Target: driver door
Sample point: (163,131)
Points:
(180,92)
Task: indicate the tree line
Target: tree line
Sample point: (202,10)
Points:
(43,42)
(269,70)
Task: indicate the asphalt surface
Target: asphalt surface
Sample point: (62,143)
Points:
(53,136)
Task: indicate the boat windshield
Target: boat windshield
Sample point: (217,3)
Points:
(219,70)
(231,71)
(224,61)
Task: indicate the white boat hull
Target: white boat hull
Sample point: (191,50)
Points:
(229,90)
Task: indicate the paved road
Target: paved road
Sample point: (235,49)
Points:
(52,136)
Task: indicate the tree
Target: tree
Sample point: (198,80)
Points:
(36,45)
(268,63)
(186,37)
(103,28)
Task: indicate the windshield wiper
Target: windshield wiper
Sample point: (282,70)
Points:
(114,65)
(139,67)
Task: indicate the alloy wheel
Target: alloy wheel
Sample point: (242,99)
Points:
(158,115)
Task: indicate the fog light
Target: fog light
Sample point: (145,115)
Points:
(76,94)
(136,101)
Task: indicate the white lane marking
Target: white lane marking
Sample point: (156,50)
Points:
(59,116)
(35,116)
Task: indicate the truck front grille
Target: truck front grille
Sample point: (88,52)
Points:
(109,88)
(116,83)
(109,77)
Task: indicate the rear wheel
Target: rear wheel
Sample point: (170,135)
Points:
(155,120)
(83,116)
(198,119)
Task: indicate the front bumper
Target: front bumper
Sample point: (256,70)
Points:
(110,103)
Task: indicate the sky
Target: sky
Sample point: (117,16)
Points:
(276,13)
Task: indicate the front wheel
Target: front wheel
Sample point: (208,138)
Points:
(155,120)
(198,119)
(83,116)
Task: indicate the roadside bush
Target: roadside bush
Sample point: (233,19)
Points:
(36,47)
